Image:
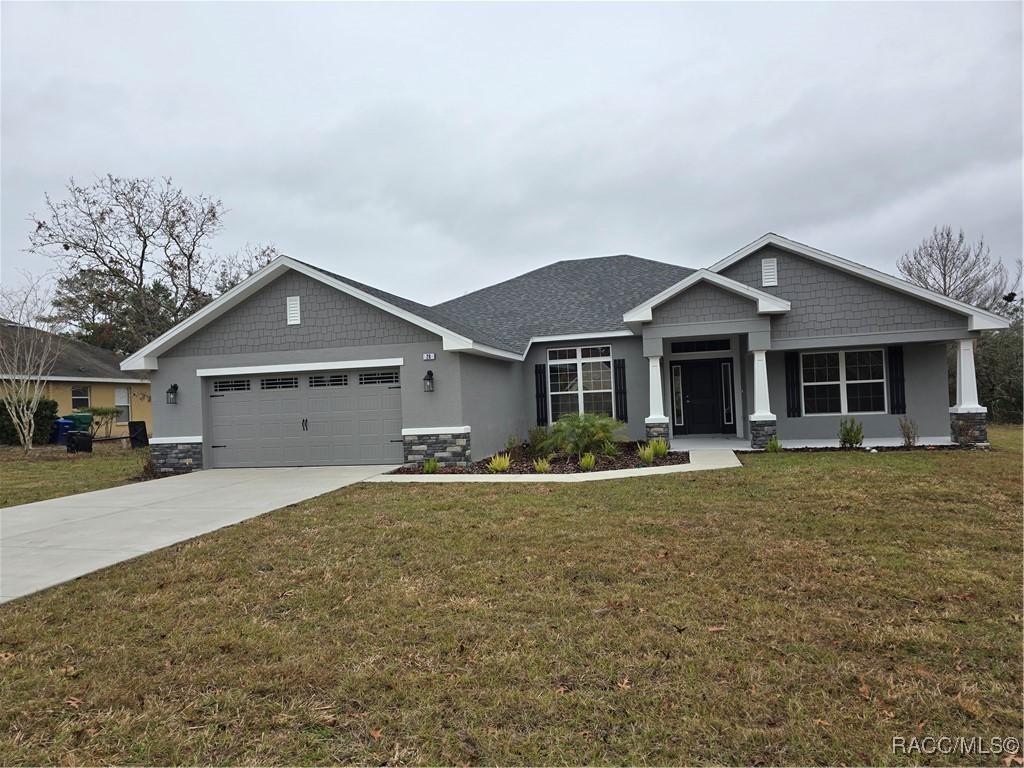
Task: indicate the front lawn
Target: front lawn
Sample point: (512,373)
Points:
(804,609)
(49,471)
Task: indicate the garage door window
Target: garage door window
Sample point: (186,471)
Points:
(280,382)
(231,385)
(334,380)
(379,377)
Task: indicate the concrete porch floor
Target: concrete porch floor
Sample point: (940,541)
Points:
(733,443)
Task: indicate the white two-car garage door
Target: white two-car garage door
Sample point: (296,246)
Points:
(306,419)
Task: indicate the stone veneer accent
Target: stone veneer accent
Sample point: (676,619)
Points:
(176,458)
(761,432)
(657,430)
(449,450)
(969,429)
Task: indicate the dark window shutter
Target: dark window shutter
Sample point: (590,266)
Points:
(793,384)
(897,393)
(540,373)
(619,369)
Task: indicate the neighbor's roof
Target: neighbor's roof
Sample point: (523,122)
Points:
(77,359)
(564,298)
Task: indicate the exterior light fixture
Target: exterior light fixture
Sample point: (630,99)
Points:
(172,394)
(428,382)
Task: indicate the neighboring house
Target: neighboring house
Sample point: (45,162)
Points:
(85,376)
(297,365)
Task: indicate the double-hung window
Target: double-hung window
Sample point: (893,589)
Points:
(580,381)
(843,382)
(123,403)
(80,397)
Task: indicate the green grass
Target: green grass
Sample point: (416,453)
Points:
(50,471)
(804,609)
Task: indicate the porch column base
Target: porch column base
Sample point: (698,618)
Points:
(761,431)
(969,428)
(656,429)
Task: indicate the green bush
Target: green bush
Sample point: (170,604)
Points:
(102,418)
(46,413)
(500,462)
(908,428)
(659,446)
(646,453)
(541,466)
(579,433)
(430,466)
(773,446)
(851,433)
(537,442)
(609,449)
(512,443)
(587,462)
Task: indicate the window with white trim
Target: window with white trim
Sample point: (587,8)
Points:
(80,397)
(843,382)
(580,381)
(123,403)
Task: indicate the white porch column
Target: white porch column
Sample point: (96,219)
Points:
(966,382)
(762,409)
(657,401)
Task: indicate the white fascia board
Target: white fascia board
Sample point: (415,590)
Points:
(244,370)
(412,431)
(484,350)
(767,304)
(87,379)
(979,319)
(170,440)
(146,358)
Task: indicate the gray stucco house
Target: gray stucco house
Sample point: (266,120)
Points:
(300,366)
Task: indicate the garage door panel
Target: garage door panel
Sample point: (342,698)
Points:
(346,423)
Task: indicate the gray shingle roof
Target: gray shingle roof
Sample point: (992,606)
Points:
(80,360)
(567,297)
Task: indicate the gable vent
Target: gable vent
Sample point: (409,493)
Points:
(293,310)
(769,273)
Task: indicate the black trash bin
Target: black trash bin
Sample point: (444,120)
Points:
(137,433)
(79,442)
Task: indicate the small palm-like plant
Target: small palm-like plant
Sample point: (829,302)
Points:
(587,462)
(430,466)
(773,446)
(500,462)
(609,449)
(851,433)
(646,453)
(541,466)
(577,433)
(659,446)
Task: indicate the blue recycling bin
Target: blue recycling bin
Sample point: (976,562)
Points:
(61,427)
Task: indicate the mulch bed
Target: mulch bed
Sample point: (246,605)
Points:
(522,463)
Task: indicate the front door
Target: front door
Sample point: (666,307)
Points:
(702,397)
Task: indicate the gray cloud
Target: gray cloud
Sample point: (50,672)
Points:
(430,149)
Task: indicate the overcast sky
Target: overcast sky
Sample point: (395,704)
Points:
(432,149)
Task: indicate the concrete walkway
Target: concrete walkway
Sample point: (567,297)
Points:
(52,541)
(699,460)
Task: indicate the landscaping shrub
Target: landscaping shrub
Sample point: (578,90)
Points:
(512,443)
(541,466)
(609,449)
(773,446)
(102,418)
(659,446)
(646,453)
(579,433)
(46,413)
(500,462)
(908,428)
(537,442)
(851,433)
(587,462)
(430,466)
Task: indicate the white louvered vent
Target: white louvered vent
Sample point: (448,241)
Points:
(293,310)
(769,273)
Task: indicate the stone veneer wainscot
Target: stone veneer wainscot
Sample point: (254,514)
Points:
(761,432)
(176,458)
(450,450)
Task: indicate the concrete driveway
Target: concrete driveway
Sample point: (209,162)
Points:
(52,541)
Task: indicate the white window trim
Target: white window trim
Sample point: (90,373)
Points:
(128,405)
(842,382)
(88,397)
(579,375)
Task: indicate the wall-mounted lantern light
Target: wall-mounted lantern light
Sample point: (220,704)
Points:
(172,394)
(428,382)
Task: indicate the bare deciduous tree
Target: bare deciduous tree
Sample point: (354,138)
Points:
(29,348)
(947,263)
(238,266)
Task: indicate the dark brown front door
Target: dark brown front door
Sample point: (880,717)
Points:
(702,397)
